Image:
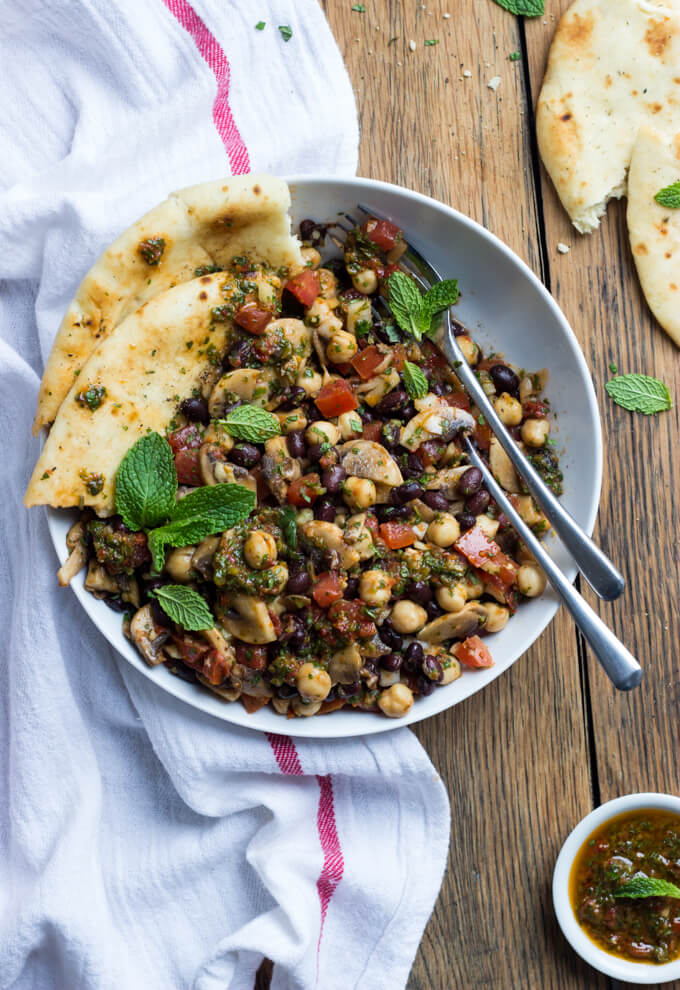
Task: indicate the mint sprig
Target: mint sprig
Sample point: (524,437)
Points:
(414,311)
(523,8)
(669,196)
(288,523)
(415,381)
(644,886)
(146,483)
(251,423)
(640,393)
(184,606)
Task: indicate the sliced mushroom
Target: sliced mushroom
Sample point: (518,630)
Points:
(230,692)
(252,682)
(129,589)
(251,384)
(179,564)
(446,481)
(279,468)
(252,623)
(99,580)
(368,459)
(148,637)
(330,537)
(203,556)
(502,469)
(76,541)
(359,536)
(294,341)
(454,625)
(345,665)
(376,388)
(435,422)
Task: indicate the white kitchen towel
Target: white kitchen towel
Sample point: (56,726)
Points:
(143,845)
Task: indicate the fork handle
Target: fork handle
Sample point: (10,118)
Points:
(605,580)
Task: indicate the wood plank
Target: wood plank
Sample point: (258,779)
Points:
(636,735)
(514,759)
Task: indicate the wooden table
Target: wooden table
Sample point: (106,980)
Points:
(528,757)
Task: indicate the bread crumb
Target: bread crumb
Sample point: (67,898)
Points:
(494,83)
(447,16)
(412,45)
(467,73)
(563,248)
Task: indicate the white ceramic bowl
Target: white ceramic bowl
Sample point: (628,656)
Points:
(605,962)
(505,307)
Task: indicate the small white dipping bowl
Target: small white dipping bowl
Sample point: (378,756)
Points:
(605,962)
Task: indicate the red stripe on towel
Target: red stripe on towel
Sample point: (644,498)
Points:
(212,53)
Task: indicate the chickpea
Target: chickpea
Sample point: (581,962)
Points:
(310,257)
(277,579)
(487,525)
(469,349)
(474,588)
(321,431)
(407,617)
(396,701)
(350,425)
(179,565)
(359,493)
(259,550)
(365,281)
(496,617)
(312,682)
(535,432)
(304,516)
(451,668)
(531,580)
(375,587)
(342,347)
(311,381)
(443,530)
(329,287)
(305,708)
(509,410)
(281,705)
(295,419)
(451,599)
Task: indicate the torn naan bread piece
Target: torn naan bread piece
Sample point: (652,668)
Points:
(202,225)
(614,66)
(654,230)
(131,384)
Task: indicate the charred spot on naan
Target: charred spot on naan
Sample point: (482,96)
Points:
(575,31)
(658,36)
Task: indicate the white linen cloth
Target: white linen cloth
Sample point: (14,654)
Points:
(143,844)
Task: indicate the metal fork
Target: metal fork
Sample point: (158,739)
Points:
(603,577)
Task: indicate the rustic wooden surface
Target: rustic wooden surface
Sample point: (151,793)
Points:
(524,760)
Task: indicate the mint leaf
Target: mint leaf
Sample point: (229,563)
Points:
(643,886)
(640,393)
(440,296)
(201,513)
(525,8)
(286,32)
(415,381)
(184,606)
(406,303)
(146,483)
(251,423)
(288,523)
(669,196)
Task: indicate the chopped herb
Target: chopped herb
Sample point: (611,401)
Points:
(93,482)
(515,56)
(286,32)
(152,250)
(260,26)
(359,8)
(612,367)
(92,397)
(431,41)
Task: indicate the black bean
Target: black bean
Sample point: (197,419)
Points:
(433,610)
(196,410)
(390,434)
(458,329)
(232,405)
(315,451)
(386,513)
(470,482)
(298,582)
(432,668)
(413,657)
(424,686)
(390,661)
(507,540)
(514,432)
(433,448)
(418,592)
(413,467)
(292,632)
(479,502)
(352,589)
(160,617)
(408,412)
(436,501)
(324,510)
(393,402)
(332,478)
(286,691)
(438,388)
(184,673)
(504,379)
(238,354)
(349,690)
(452,430)
(245,455)
(116,604)
(402,494)
(296,443)
(390,636)
(366,414)
(465,519)
(292,398)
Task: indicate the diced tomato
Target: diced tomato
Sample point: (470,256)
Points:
(397,535)
(482,552)
(371,524)
(191,649)
(254,657)
(187,467)
(350,619)
(304,491)
(305,286)
(434,359)
(365,362)
(253,319)
(383,233)
(494,581)
(188,437)
(327,589)
(216,667)
(336,398)
(344,368)
(482,436)
(535,409)
(472,653)
(457,400)
(372,431)
(253,704)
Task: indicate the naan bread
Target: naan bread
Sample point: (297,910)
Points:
(614,66)
(201,225)
(655,230)
(155,357)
